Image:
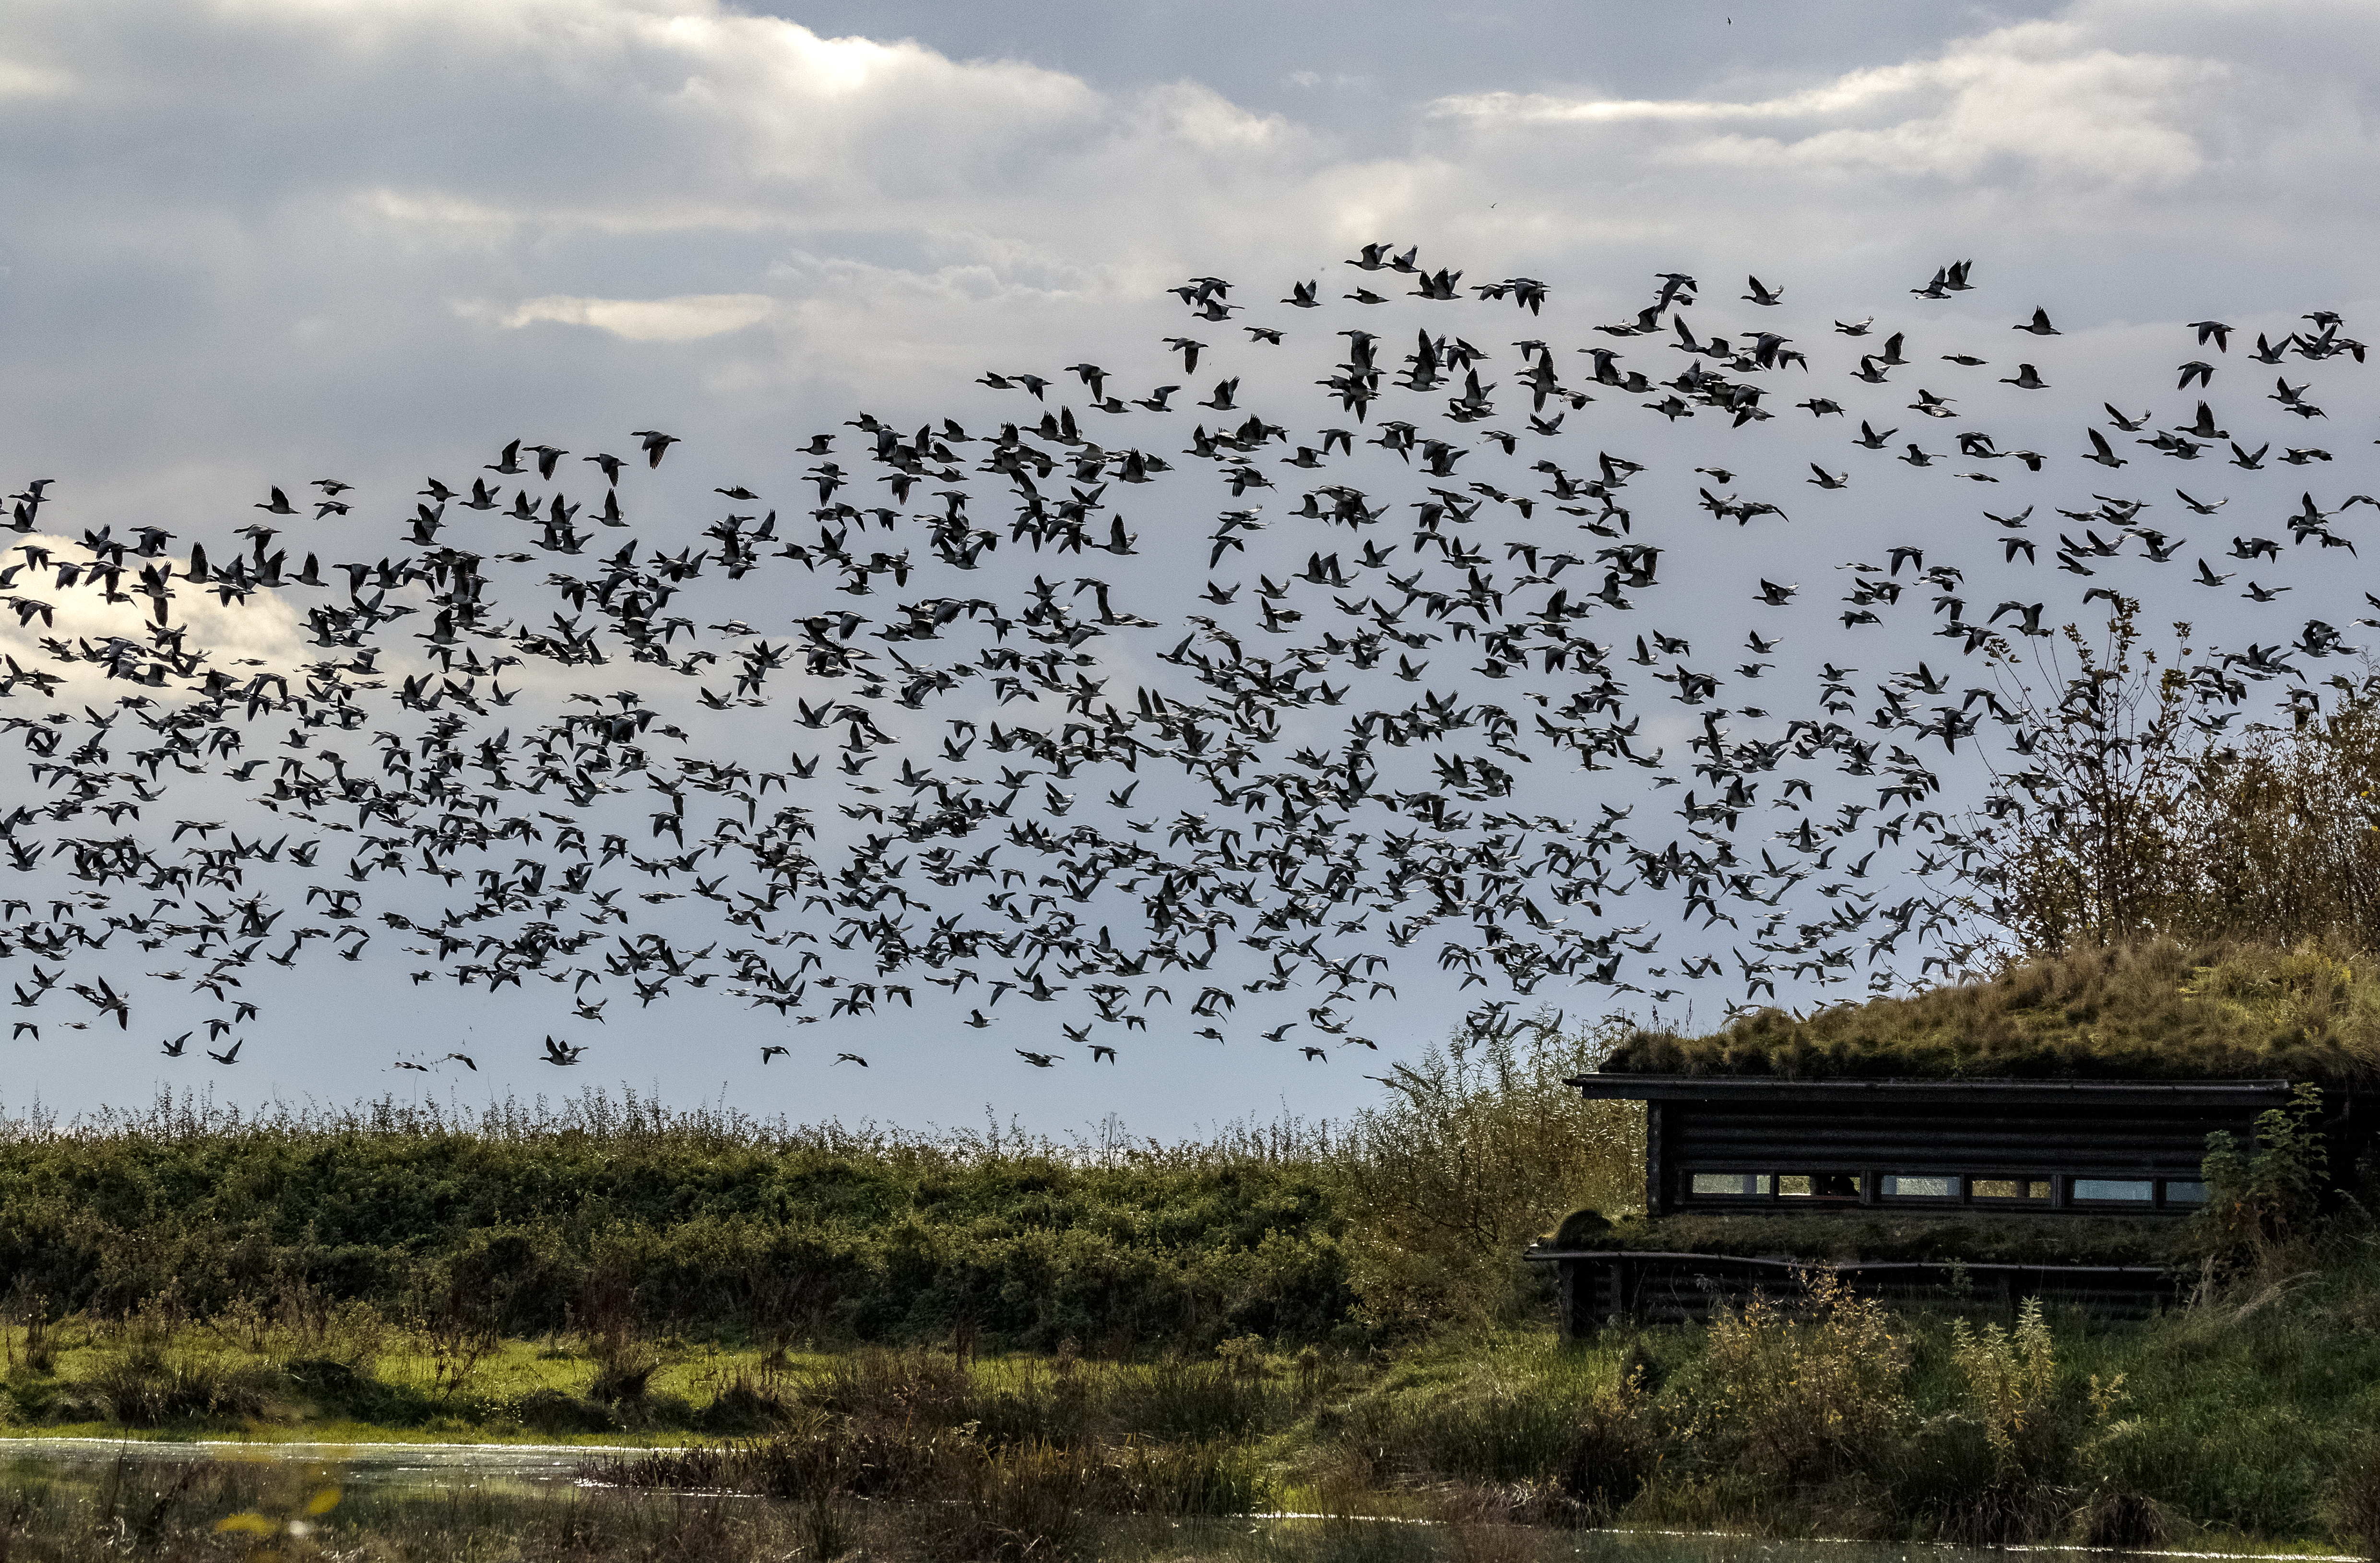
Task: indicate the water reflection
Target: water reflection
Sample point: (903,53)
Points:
(505,1488)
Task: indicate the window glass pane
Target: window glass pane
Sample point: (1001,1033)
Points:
(1793,1185)
(1760,1184)
(1721,1183)
(2179,1192)
(2009,1189)
(1897,1187)
(2126,1190)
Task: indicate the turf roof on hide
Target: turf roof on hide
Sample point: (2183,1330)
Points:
(2157,1009)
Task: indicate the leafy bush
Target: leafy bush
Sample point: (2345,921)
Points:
(1806,1388)
(1482,1147)
(2013,1376)
(2011,1383)
(2261,1201)
(2127,824)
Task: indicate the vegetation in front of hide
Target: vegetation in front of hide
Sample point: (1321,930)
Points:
(2236,1412)
(2012,1374)
(1801,1389)
(2234,1416)
(2262,1201)
(1481,1148)
(1615,1449)
(2018,1491)
(2154,1008)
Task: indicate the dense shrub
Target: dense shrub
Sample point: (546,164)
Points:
(2261,1199)
(610,1216)
(1805,1388)
(520,1220)
(1479,1148)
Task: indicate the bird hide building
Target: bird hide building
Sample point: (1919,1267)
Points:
(2005,1187)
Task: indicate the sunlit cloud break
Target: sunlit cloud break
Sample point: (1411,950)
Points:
(688,318)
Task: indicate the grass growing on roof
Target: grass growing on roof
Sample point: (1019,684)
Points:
(2155,1009)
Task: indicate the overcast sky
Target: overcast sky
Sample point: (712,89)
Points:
(261,241)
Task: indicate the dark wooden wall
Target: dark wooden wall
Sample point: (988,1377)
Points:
(2087,1141)
(2053,1131)
(1604,1289)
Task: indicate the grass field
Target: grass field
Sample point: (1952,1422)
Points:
(2247,1419)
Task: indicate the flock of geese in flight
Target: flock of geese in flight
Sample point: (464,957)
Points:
(1371,698)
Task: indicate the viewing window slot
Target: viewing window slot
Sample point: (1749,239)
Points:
(2113,1191)
(1728,1185)
(1931,1185)
(1818,1185)
(1996,1189)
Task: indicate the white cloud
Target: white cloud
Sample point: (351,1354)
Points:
(2139,112)
(263,626)
(2039,94)
(688,318)
(21,80)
